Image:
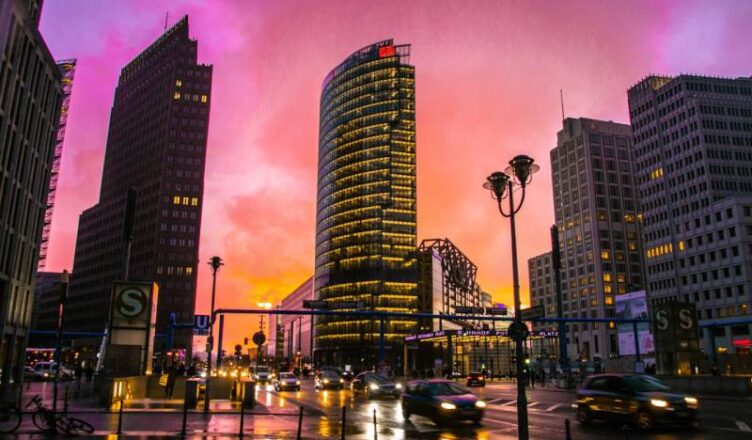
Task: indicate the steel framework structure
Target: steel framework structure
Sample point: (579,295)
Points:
(68,70)
(459,287)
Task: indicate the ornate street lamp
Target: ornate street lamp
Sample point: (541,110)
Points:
(502,186)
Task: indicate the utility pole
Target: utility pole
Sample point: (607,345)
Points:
(215,264)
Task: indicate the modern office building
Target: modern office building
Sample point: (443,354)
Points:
(542,283)
(67,70)
(44,316)
(155,156)
(596,209)
(366,206)
(693,162)
(30,96)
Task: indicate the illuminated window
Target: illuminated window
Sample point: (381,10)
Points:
(608,289)
(607,277)
(611,324)
(159,270)
(609,300)
(681,245)
(189,271)
(176,200)
(620,278)
(178,83)
(195,98)
(204,99)
(605,255)
(177,95)
(629,218)
(185,201)
(194,201)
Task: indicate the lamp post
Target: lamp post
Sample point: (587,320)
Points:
(64,279)
(215,263)
(502,186)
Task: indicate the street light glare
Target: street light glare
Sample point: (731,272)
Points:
(264,305)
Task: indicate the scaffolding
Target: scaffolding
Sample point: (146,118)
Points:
(67,69)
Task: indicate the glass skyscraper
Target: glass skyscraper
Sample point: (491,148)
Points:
(366,206)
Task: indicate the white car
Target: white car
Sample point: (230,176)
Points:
(287,381)
(262,374)
(46,371)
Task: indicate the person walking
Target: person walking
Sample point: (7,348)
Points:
(171,376)
(89,373)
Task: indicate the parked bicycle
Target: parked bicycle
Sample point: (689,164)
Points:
(43,418)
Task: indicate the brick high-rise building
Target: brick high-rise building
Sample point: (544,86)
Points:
(693,161)
(596,212)
(30,96)
(156,145)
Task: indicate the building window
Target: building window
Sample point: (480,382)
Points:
(194,201)
(177,95)
(176,200)
(178,83)
(204,99)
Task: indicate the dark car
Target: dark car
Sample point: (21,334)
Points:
(328,380)
(373,385)
(476,379)
(641,399)
(442,401)
(348,375)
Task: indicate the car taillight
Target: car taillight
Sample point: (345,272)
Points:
(468,377)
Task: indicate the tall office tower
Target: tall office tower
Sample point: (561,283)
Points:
(693,156)
(30,96)
(67,70)
(156,149)
(540,270)
(365,218)
(596,212)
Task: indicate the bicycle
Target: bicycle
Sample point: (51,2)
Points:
(43,418)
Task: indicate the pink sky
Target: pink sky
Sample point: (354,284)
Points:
(487,86)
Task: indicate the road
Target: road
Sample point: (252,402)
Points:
(276,416)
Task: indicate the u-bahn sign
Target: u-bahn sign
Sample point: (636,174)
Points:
(675,327)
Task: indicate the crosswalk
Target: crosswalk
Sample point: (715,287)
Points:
(532,406)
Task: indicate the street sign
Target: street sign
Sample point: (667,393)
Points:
(470,310)
(534,312)
(675,327)
(309,304)
(259,338)
(518,331)
(201,324)
(496,311)
(344,305)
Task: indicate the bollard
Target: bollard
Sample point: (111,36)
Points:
(568,433)
(65,400)
(300,423)
(185,418)
(375,432)
(120,416)
(625,428)
(242,418)
(344,414)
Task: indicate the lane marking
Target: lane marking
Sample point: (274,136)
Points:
(495,401)
(511,402)
(743,426)
(532,404)
(488,419)
(553,407)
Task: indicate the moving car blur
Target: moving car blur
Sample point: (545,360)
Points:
(641,399)
(287,381)
(328,380)
(476,379)
(442,401)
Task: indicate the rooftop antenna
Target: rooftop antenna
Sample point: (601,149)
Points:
(561,96)
(166,19)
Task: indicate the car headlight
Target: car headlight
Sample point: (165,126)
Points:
(203,374)
(398,386)
(326,380)
(373,386)
(660,403)
(691,401)
(447,405)
(342,381)
(480,404)
(297,382)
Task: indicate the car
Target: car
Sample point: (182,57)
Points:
(29,373)
(373,385)
(46,371)
(262,374)
(327,380)
(442,401)
(348,375)
(638,398)
(476,379)
(287,381)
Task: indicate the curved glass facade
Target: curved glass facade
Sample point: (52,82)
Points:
(366,207)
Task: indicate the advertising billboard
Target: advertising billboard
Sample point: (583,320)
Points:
(633,305)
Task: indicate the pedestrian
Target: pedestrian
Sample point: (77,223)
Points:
(89,373)
(79,372)
(192,370)
(170,385)
(531,375)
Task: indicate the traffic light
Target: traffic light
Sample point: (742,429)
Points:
(238,350)
(222,354)
(245,341)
